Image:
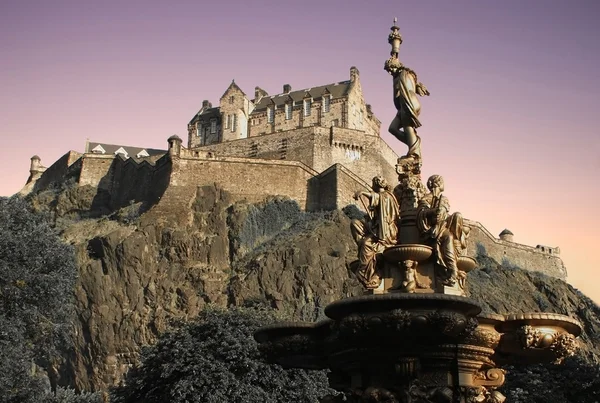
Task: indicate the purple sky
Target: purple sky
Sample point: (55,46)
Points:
(511,122)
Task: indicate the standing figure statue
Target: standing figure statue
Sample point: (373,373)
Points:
(377,231)
(406,89)
(404,125)
(445,231)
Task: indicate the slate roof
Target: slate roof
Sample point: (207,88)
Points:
(206,114)
(337,90)
(109,149)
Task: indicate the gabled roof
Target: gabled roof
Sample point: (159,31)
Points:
(111,149)
(234,86)
(336,90)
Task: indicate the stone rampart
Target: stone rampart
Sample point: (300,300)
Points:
(319,148)
(512,253)
(247,178)
(59,172)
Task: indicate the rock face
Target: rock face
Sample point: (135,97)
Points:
(145,267)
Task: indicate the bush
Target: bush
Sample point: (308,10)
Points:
(37,277)
(215,359)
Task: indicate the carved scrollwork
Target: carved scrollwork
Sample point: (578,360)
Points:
(493,377)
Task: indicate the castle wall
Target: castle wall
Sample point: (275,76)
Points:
(132,181)
(337,187)
(60,171)
(319,148)
(95,170)
(246,178)
(512,253)
(358,152)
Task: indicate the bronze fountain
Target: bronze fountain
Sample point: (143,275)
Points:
(415,336)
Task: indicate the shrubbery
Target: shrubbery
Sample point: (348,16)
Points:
(214,359)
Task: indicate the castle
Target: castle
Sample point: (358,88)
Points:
(317,146)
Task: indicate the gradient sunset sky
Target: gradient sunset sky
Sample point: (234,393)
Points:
(511,123)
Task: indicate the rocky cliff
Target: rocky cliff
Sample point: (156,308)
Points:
(143,267)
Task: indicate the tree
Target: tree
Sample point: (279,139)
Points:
(215,359)
(37,278)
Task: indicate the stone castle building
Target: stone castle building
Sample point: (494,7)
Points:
(316,145)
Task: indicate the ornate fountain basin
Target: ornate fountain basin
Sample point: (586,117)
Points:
(413,252)
(538,337)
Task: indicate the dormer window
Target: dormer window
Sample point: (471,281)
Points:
(288,111)
(213,126)
(307,105)
(326,103)
(270,114)
(98,149)
(122,151)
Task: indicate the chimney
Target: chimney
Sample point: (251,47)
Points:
(287,88)
(259,93)
(354,73)
(206,104)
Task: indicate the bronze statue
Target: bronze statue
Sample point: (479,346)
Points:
(406,89)
(377,231)
(447,232)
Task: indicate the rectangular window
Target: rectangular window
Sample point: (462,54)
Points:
(326,103)
(198,129)
(307,104)
(228,121)
(234,123)
(213,126)
(288,111)
(270,114)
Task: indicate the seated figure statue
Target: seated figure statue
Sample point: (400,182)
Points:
(445,231)
(377,231)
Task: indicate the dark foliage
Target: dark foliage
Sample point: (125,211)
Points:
(214,359)
(37,277)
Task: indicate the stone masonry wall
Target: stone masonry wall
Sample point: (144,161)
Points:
(95,170)
(319,148)
(245,178)
(512,253)
(59,171)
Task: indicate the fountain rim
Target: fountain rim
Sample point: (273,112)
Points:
(413,301)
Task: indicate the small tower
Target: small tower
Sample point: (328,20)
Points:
(174,146)
(506,235)
(35,169)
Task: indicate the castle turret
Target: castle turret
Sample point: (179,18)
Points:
(174,145)
(506,235)
(35,169)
